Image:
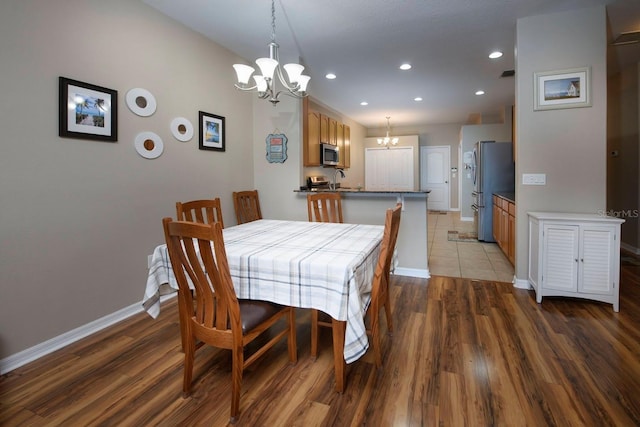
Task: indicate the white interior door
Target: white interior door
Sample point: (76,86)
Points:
(434,175)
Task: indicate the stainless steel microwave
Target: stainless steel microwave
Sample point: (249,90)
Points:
(329,155)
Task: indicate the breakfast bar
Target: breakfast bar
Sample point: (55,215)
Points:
(366,207)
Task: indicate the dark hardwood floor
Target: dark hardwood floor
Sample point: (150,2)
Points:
(463,353)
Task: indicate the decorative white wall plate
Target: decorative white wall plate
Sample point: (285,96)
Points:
(149,145)
(182,129)
(141,102)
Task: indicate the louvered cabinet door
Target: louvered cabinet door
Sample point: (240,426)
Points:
(560,257)
(596,273)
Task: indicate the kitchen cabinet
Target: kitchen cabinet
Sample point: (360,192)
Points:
(340,144)
(346,143)
(324,128)
(575,255)
(333,132)
(311,150)
(319,128)
(504,226)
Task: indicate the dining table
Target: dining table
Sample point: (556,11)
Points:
(323,266)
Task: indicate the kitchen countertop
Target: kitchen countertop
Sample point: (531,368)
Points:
(355,191)
(511,197)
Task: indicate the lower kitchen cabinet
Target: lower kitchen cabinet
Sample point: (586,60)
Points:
(504,230)
(575,255)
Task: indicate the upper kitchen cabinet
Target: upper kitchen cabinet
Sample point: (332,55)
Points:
(346,147)
(324,129)
(333,132)
(320,128)
(343,140)
(311,147)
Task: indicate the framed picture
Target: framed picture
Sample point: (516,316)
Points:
(276,148)
(562,89)
(87,111)
(211,132)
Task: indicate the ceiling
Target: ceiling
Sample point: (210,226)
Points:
(363,42)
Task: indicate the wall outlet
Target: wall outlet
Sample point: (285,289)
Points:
(534,179)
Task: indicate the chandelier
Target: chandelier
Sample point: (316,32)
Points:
(387,140)
(265,83)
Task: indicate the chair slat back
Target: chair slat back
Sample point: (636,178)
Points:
(203,211)
(324,207)
(380,285)
(247,206)
(198,256)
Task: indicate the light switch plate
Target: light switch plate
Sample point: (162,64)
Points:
(534,179)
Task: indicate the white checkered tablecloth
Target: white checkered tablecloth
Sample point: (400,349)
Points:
(325,266)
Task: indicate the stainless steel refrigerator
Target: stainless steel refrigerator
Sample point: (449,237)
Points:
(493,170)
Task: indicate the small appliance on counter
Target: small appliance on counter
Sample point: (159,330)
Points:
(317,182)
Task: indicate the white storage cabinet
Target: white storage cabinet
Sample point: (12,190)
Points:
(575,255)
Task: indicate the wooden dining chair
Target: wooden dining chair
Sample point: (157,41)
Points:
(247,206)
(205,211)
(379,289)
(214,315)
(324,207)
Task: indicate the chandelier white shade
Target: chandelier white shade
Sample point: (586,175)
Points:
(265,82)
(387,139)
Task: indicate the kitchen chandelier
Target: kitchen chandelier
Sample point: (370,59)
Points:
(265,83)
(387,140)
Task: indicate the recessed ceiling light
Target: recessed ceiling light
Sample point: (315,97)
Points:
(363,103)
(496,54)
(417,99)
(480,92)
(330,76)
(405,66)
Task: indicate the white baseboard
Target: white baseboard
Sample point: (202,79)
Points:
(466,218)
(39,350)
(630,248)
(412,272)
(521,284)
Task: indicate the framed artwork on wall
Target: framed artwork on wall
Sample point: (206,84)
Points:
(562,89)
(276,148)
(87,111)
(212,132)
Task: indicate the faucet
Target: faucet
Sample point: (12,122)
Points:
(332,186)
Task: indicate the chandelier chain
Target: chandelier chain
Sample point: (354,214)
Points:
(273,21)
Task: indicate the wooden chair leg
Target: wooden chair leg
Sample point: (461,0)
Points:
(183,317)
(387,313)
(291,340)
(189,351)
(236,382)
(339,365)
(375,340)
(314,333)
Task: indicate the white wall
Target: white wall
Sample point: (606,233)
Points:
(567,145)
(79,217)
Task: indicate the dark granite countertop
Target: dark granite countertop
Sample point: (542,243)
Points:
(510,196)
(347,190)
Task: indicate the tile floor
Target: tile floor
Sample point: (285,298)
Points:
(473,260)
